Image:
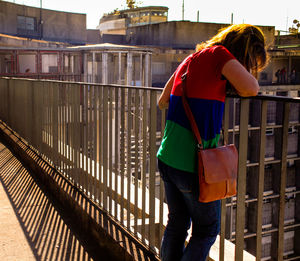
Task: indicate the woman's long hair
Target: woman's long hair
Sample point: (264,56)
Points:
(246,42)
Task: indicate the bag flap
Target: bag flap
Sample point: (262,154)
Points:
(219,164)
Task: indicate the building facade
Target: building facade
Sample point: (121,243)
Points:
(117,22)
(39,23)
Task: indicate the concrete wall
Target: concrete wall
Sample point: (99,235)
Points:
(181,34)
(56,26)
(293,39)
(93,36)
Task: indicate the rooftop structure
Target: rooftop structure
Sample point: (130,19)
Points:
(118,21)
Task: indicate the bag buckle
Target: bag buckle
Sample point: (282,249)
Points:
(183,76)
(199,147)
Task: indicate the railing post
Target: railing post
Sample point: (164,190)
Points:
(152,174)
(129,69)
(261,173)
(283,173)
(223,202)
(148,70)
(104,68)
(242,175)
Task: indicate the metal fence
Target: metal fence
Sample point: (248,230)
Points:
(104,139)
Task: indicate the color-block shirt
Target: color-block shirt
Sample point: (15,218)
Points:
(205,91)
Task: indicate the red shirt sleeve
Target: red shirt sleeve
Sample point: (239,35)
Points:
(204,79)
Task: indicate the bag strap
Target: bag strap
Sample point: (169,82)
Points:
(188,110)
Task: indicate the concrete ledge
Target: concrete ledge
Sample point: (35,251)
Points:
(112,242)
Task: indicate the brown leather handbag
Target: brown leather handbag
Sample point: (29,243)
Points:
(217,167)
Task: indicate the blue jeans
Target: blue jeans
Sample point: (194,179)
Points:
(181,190)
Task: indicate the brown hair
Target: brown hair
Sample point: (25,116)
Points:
(246,42)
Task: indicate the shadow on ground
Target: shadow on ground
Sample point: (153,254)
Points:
(47,231)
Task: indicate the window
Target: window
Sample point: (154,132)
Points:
(6,63)
(27,63)
(158,68)
(26,23)
(49,63)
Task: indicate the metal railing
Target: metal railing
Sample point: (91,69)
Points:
(104,139)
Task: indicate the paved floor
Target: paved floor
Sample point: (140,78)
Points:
(31,228)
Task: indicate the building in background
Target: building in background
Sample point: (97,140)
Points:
(117,22)
(102,63)
(39,23)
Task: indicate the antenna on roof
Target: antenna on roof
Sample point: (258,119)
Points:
(182,10)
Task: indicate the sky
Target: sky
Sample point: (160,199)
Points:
(280,14)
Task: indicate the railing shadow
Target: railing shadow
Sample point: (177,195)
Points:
(49,235)
(67,225)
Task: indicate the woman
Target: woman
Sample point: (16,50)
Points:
(234,55)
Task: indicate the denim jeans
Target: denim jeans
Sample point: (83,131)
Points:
(181,190)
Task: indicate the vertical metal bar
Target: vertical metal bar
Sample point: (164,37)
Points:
(65,129)
(147,70)
(110,148)
(161,184)
(98,134)
(78,133)
(152,174)
(73,129)
(105,145)
(89,141)
(242,171)
(70,128)
(59,127)
(128,155)
(223,202)
(2,95)
(129,69)
(117,148)
(62,128)
(105,68)
(34,116)
(55,125)
(85,152)
(120,68)
(51,154)
(86,140)
(48,131)
(95,139)
(283,171)
(93,67)
(122,157)
(82,134)
(39,100)
(141,70)
(100,172)
(136,153)
(144,162)
(66,109)
(261,173)
(44,116)
(28,116)
(3,84)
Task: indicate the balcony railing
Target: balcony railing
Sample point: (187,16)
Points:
(104,138)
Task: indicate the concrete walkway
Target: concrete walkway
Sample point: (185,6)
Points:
(31,228)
